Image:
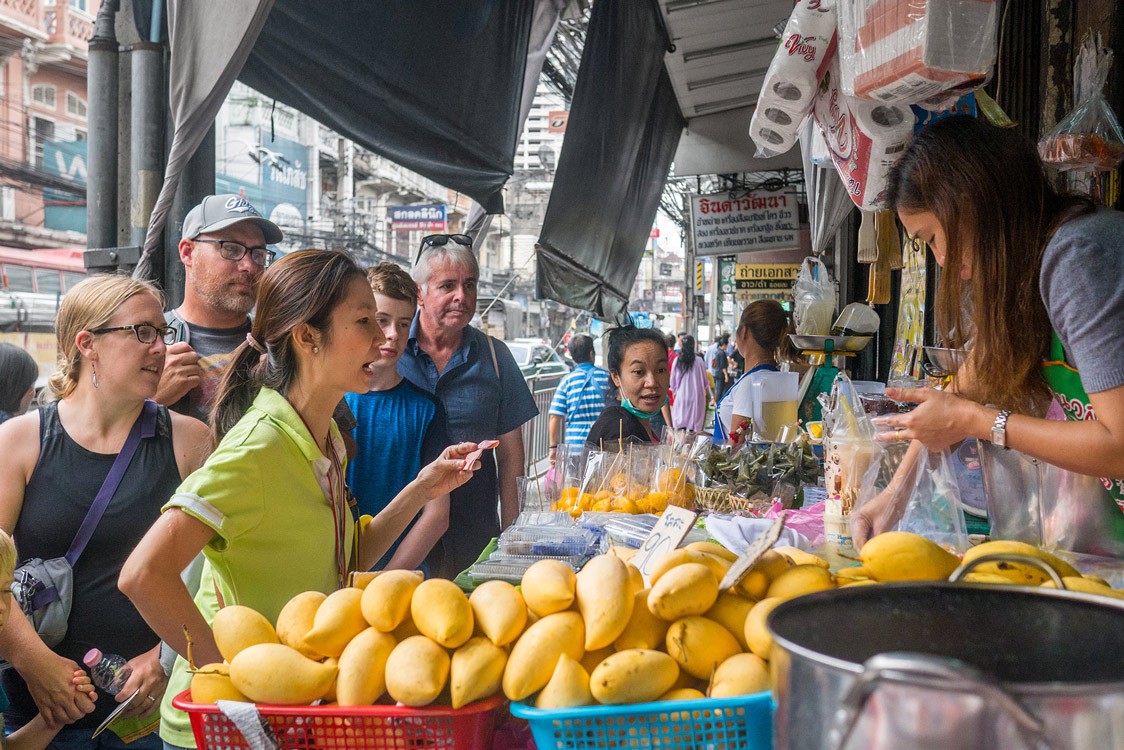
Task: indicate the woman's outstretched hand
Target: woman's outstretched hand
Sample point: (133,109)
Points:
(447,472)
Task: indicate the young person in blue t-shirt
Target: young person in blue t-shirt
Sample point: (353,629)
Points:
(400,428)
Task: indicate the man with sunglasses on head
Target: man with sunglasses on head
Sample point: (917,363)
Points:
(224,253)
(481,388)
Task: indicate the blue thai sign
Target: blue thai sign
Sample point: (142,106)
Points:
(63,210)
(431,218)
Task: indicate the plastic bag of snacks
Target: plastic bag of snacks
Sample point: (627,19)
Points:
(1089,138)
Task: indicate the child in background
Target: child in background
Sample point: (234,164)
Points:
(34,735)
(400,427)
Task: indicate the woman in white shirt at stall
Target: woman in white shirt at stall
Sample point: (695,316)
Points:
(762,340)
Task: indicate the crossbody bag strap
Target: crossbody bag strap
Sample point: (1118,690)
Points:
(144,427)
(495,362)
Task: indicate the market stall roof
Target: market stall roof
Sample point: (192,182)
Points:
(648,77)
(436,86)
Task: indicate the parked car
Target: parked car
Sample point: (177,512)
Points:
(540,364)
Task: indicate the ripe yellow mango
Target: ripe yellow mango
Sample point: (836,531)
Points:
(644,630)
(604,599)
(902,556)
(756,582)
(476,672)
(568,686)
(295,620)
(712,548)
(274,673)
(499,611)
(330,693)
(799,557)
(441,612)
(339,618)
(362,664)
(800,580)
(386,599)
(717,565)
(853,573)
(757,636)
(416,671)
(681,694)
(535,655)
(633,676)
(687,589)
(992,578)
(549,586)
(1028,575)
(1086,586)
(405,629)
(635,578)
(591,659)
(741,674)
(730,611)
(212,683)
(235,627)
(699,645)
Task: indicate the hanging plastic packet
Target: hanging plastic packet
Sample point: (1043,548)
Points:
(1089,138)
(813,296)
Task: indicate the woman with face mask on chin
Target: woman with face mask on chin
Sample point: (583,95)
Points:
(1032,285)
(637,360)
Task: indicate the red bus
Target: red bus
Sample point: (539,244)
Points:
(31,284)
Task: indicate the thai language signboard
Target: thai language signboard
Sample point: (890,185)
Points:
(426,217)
(745,221)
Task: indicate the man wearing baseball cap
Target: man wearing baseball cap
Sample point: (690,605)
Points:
(224,253)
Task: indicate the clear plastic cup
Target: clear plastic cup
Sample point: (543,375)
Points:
(776,396)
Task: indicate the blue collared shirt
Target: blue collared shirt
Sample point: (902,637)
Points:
(480,403)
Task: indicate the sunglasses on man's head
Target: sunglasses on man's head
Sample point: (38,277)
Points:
(440,240)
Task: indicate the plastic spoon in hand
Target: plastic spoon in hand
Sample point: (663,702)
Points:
(472,458)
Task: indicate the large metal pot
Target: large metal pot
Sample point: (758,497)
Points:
(948,667)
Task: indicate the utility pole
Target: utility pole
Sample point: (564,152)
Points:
(101,160)
(345,185)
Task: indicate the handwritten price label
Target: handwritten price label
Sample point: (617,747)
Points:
(757,548)
(665,536)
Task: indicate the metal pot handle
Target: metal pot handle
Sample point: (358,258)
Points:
(1014,557)
(933,672)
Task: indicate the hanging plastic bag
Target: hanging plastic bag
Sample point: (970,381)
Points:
(926,503)
(813,296)
(850,449)
(1089,138)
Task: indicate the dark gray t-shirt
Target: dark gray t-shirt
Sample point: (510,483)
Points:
(214,347)
(1082,284)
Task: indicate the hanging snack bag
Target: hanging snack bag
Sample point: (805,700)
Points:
(1089,138)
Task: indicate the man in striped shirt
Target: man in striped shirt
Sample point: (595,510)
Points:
(580,397)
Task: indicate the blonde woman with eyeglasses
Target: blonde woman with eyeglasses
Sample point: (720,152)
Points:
(111,341)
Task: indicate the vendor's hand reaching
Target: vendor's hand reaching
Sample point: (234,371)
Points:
(940,420)
(148,677)
(876,515)
(447,472)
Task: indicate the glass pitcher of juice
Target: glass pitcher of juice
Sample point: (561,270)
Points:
(775,402)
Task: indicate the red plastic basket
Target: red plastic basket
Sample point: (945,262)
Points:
(352,727)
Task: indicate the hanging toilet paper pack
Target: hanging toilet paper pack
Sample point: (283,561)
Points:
(789,87)
(926,52)
(865,139)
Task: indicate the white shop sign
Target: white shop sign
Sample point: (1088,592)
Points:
(738,221)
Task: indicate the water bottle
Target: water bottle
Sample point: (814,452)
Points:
(108,671)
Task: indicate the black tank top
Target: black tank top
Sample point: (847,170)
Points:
(66,479)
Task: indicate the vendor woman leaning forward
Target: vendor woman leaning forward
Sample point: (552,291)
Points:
(268,509)
(1042,280)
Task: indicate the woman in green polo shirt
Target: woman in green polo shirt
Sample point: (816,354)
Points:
(269,510)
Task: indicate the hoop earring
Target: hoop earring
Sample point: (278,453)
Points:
(94,379)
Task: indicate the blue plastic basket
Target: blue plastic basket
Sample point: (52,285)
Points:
(744,722)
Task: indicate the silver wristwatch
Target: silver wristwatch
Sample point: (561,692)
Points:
(999,429)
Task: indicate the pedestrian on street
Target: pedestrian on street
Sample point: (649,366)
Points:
(481,387)
(18,371)
(691,388)
(579,399)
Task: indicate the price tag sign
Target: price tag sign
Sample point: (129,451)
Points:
(665,536)
(759,546)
